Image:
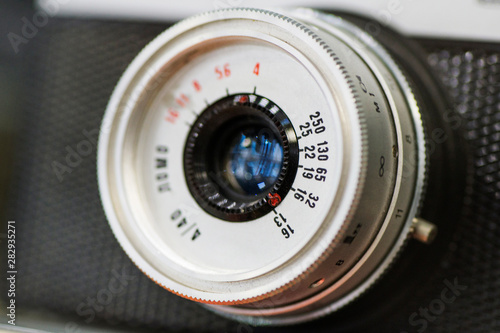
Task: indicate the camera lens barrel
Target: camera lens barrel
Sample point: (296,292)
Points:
(238,155)
(269,165)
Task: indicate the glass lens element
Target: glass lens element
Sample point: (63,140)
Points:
(253,159)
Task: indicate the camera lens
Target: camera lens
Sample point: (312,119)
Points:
(272,166)
(239,154)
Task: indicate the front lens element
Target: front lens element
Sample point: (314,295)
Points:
(253,158)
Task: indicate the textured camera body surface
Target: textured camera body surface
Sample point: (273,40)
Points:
(70,263)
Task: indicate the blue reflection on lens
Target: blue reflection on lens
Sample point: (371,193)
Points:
(256,161)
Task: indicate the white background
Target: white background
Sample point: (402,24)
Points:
(455,19)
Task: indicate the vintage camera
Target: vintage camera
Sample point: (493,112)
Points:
(271,164)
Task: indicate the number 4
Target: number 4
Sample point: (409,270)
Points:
(256,69)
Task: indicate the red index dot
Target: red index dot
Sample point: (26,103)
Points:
(273,199)
(243,99)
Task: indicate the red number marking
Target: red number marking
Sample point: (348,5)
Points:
(256,69)
(224,72)
(182,100)
(220,75)
(172,115)
(196,85)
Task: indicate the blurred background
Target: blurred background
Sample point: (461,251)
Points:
(12,78)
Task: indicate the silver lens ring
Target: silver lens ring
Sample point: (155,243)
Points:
(359,173)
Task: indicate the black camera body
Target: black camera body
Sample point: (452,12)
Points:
(72,272)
